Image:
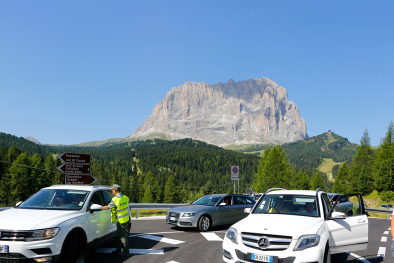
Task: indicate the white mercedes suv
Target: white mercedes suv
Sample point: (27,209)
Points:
(291,226)
(55,224)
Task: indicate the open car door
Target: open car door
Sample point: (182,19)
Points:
(348,233)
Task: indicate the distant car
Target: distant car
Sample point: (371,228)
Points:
(344,204)
(211,210)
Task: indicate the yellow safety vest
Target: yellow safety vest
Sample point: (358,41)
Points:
(121,213)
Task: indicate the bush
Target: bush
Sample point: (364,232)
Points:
(387,195)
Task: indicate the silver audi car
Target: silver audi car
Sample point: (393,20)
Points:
(211,210)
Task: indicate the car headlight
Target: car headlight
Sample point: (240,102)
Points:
(42,234)
(307,241)
(232,235)
(188,214)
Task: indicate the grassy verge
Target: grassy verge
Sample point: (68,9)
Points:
(326,166)
(373,200)
(148,212)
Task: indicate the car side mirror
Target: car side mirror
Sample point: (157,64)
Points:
(337,215)
(247,210)
(19,203)
(221,204)
(95,207)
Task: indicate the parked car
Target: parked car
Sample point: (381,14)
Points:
(56,223)
(211,210)
(295,226)
(344,205)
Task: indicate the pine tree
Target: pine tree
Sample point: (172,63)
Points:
(317,181)
(274,171)
(385,154)
(170,191)
(302,181)
(383,178)
(364,158)
(341,184)
(365,182)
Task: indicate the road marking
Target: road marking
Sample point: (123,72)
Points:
(210,236)
(381,252)
(133,251)
(358,257)
(384,239)
(385,232)
(172,261)
(162,239)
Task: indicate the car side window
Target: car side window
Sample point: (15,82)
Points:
(239,200)
(249,201)
(107,197)
(326,204)
(97,198)
(226,200)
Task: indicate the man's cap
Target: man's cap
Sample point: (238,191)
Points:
(116,187)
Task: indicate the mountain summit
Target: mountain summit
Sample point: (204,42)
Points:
(244,112)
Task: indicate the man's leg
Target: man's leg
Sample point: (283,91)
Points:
(119,235)
(125,237)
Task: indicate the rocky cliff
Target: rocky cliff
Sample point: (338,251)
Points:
(244,112)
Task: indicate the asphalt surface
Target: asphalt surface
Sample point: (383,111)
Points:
(155,241)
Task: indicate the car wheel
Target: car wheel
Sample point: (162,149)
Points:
(69,249)
(327,255)
(204,224)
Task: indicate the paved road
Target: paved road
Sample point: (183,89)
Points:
(154,241)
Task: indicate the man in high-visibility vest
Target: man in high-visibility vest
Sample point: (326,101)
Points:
(120,214)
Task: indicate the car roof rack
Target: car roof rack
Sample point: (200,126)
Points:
(273,189)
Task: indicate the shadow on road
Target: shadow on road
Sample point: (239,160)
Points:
(344,257)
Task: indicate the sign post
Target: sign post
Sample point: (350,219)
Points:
(76,168)
(235,175)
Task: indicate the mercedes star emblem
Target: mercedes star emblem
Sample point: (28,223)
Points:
(264,242)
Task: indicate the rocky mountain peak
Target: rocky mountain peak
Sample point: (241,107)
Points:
(244,112)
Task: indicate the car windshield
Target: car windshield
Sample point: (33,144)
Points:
(56,199)
(302,205)
(210,200)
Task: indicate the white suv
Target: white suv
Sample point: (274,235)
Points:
(296,226)
(56,223)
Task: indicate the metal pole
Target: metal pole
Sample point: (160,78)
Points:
(234,187)
(238,186)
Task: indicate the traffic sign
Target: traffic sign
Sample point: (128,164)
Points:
(80,179)
(234,173)
(74,168)
(75,158)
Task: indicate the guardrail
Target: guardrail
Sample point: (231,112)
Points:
(138,206)
(377,210)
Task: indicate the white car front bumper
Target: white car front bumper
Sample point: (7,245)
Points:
(233,253)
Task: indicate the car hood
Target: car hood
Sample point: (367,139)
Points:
(28,219)
(191,208)
(284,225)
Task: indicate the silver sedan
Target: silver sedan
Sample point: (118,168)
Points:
(211,210)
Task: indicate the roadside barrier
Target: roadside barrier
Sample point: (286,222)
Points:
(138,206)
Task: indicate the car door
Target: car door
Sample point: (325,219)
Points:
(111,227)
(97,220)
(350,233)
(242,202)
(226,214)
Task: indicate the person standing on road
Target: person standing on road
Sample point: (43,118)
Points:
(120,214)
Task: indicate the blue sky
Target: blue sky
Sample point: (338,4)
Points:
(79,71)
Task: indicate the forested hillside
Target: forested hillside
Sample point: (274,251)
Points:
(309,153)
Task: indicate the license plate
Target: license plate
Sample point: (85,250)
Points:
(4,249)
(173,218)
(262,258)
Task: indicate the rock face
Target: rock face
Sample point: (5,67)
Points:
(32,140)
(255,111)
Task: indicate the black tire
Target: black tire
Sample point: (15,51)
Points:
(69,250)
(327,255)
(204,223)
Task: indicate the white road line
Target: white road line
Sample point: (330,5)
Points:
(384,239)
(385,232)
(389,228)
(162,239)
(381,252)
(172,261)
(210,236)
(358,257)
(133,251)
